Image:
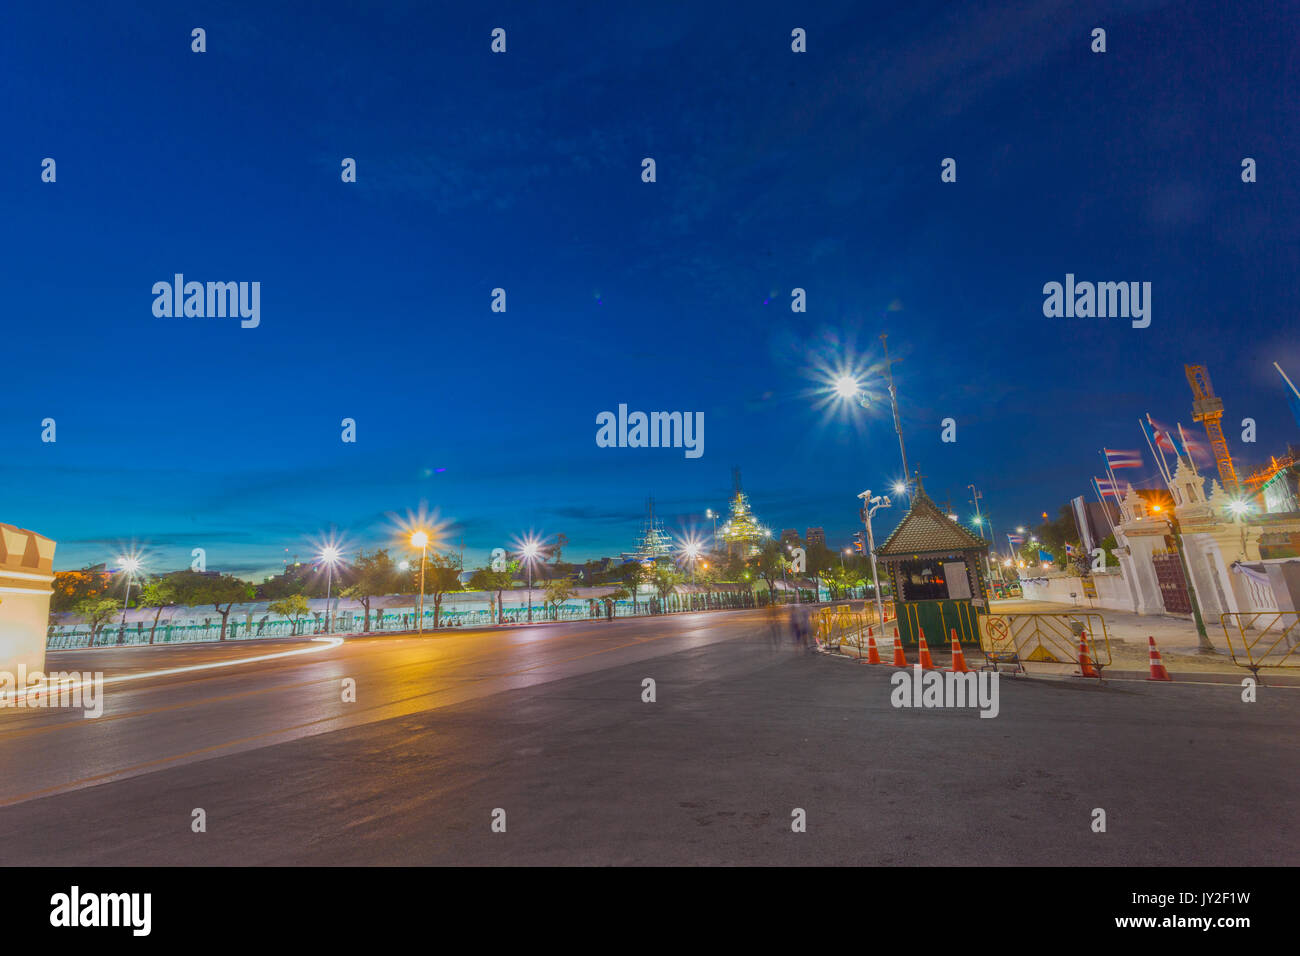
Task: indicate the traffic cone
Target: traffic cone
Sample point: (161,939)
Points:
(1085,662)
(926,663)
(958,658)
(873,655)
(900,659)
(1158,671)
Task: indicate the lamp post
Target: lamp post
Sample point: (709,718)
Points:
(692,552)
(976,496)
(329,556)
(848,388)
(529,552)
(420,540)
(710,513)
(130,565)
(898,422)
(870,506)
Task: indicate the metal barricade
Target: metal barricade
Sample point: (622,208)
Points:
(1043,638)
(1262,638)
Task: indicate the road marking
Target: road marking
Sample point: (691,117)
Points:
(321,644)
(109,718)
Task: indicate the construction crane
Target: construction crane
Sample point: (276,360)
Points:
(1208,408)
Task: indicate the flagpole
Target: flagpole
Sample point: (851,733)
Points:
(1114,485)
(1096,488)
(1187,448)
(1164,465)
(1154,457)
(1294,390)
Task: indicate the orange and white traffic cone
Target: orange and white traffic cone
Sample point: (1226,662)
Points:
(900,659)
(1086,668)
(873,655)
(958,658)
(1158,671)
(926,663)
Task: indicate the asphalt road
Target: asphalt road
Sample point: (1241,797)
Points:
(547,723)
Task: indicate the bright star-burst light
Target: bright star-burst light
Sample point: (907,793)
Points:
(330,549)
(529,548)
(424,522)
(689,548)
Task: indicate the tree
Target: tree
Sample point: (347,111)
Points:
(633,574)
(97,611)
(733,568)
(441,574)
(71,588)
(561,541)
(486,579)
(665,579)
(158,594)
(373,575)
(820,558)
(839,580)
(612,598)
(771,562)
(222,591)
(1108,545)
(558,590)
(294,607)
(1052,537)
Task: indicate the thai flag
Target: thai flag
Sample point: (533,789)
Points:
(1069,548)
(1016,538)
(1107,487)
(1161,435)
(1123,458)
(1198,449)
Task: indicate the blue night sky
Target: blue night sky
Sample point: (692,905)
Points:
(522,171)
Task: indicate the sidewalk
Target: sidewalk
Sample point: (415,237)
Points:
(1176,639)
(1123,627)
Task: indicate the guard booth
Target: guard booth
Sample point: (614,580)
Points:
(936,570)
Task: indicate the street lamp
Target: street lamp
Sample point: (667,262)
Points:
(898,422)
(976,496)
(329,556)
(870,507)
(710,513)
(130,564)
(848,388)
(691,550)
(420,539)
(529,551)
(1239,509)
